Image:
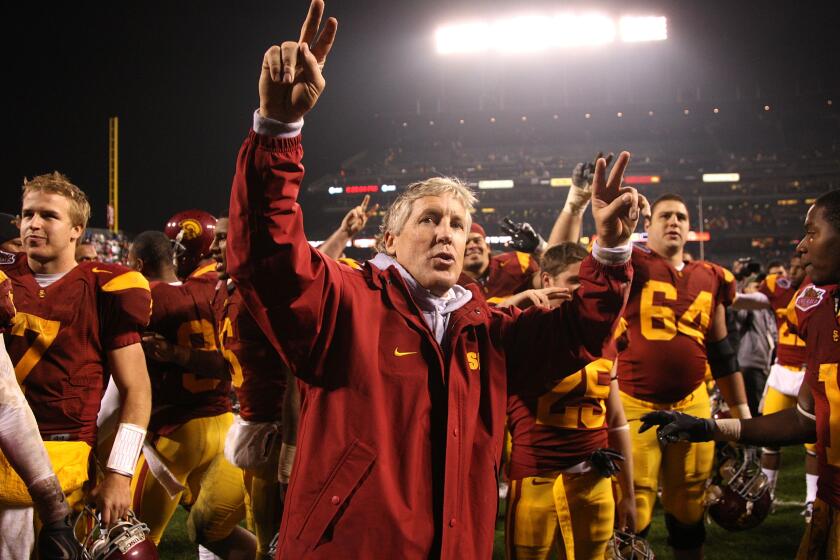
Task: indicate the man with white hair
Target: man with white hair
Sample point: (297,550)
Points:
(406,373)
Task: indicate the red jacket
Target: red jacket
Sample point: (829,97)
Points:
(400,438)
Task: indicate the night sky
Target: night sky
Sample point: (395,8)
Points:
(182,78)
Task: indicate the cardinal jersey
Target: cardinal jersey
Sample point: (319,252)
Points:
(817,316)
(508,274)
(560,428)
(668,316)
(183,314)
(60,335)
(258,371)
(791,348)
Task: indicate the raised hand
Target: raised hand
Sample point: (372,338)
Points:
(676,426)
(523,236)
(291,80)
(357,218)
(584,173)
(616,209)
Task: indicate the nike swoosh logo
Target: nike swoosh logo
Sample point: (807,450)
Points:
(101,270)
(399,354)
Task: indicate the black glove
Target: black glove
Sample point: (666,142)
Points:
(57,541)
(604,460)
(584,173)
(523,236)
(675,426)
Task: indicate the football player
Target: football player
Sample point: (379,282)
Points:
(23,449)
(560,468)
(86,252)
(816,315)
(675,326)
(191,231)
(498,276)
(191,410)
(777,293)
(74,323)
(260,441)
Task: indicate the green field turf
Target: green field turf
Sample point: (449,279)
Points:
(777,537)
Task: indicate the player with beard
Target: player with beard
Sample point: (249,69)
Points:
(816,316)
(75,325)
(777,293)
(191,410)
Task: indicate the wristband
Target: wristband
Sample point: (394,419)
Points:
(727,429)
(577,200)
(623,428)
(741,410)
(287,459)
(126,449)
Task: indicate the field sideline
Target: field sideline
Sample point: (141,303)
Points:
(778,537)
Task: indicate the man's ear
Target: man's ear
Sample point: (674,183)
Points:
(76,233)
(390,243)
(138,264)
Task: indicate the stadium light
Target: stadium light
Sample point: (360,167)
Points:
(528,33)
(721,177)
(645,28)
(496,184)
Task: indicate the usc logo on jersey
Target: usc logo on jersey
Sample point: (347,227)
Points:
(473,361)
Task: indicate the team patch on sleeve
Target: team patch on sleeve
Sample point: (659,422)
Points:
(809,298)
(7,258)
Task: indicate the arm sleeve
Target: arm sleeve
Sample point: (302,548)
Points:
(282,279)
(125,309)
(543,346)
(20,440)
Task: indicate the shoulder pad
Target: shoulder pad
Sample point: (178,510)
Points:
(115,277)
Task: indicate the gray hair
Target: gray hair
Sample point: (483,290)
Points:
(398,213)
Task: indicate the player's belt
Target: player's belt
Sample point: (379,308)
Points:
(580,468)
(59,437)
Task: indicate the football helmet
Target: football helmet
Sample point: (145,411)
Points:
(125,540)
(191,232)
(739,496)
(625,545)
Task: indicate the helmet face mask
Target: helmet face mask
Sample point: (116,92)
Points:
(627,546)
(739,496)
(125,540)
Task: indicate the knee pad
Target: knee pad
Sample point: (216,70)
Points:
(684,537)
